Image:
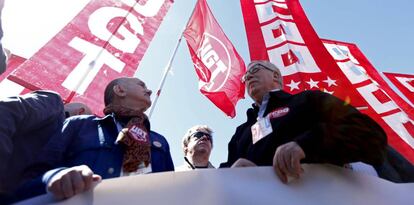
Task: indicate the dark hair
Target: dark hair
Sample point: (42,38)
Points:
(109,91)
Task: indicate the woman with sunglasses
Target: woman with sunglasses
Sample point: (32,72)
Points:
(197,145)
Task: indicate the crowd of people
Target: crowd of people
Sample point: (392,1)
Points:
(63,149)
(46,146)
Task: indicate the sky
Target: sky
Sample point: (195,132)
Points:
(381,29)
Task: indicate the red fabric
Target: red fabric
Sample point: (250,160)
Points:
(380,95)
(280,10)
(315,68)
(295,69)
(404,83)
(13,62)
(278,32)
(218,65)
(400,131)
(289,58)
(62,63)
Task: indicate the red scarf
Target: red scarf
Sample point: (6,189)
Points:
(134,136)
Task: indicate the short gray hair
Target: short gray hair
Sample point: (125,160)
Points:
(268,65)
(194,129)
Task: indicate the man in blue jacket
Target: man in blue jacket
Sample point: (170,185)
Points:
(90,148)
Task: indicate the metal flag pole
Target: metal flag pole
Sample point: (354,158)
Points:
(168,67)
(164,77)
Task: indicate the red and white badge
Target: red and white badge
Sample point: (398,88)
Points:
(138,134)
(279,112)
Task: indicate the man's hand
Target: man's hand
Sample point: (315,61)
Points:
(286,161)
(242,162)
(72,181)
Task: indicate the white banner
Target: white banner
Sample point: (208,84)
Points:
(320,184)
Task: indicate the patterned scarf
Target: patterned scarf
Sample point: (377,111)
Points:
(135,137)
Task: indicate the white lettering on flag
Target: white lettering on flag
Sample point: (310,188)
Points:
(99,20)
(405,81)
(396,122)
(149,9)
(305,64)
(88,65)
(271,10)
(353,72)
(280,31)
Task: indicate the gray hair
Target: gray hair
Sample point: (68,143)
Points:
(269,65)
(194,129)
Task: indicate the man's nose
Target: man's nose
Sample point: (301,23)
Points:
(249,76)
(149,92)
(205,137)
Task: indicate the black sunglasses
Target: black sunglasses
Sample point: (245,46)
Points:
(199,135)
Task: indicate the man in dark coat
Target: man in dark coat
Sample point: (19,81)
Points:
(286,130)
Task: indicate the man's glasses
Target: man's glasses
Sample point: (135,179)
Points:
(199,135)
(254,70)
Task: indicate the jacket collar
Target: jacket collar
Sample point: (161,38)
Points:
(275,95)
(111,117)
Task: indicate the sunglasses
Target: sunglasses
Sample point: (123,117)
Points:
(199,135)
(253,70)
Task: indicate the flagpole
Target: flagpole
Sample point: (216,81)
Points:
(168,67)
(164,77)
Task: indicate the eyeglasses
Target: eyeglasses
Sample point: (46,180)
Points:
(253,70)
(199,135)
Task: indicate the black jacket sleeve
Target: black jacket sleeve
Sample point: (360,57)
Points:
(342,135)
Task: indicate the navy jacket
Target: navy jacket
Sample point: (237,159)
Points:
(27,122)
(90,140)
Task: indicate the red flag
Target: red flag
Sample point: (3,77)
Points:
(404,83)
(218,65)
(106,40)
(385,106)
(306,64)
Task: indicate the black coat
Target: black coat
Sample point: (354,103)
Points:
(326,128)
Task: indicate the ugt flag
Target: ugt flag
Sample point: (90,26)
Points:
(107,39)
(218,65)
(404,83)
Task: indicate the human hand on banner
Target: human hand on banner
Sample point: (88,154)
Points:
(72,181)
(242,162)
(286,161)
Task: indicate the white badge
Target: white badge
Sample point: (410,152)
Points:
(261,129)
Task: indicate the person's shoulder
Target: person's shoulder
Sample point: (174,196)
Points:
(157,136)
(43,93)
(81,119)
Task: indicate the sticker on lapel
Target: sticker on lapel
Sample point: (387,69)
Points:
(157,144)
(279,112)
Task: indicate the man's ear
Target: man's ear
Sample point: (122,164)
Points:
(185,151)
(276,76)
(81,111)
(119,90)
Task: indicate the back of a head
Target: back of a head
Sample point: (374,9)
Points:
(77,108)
